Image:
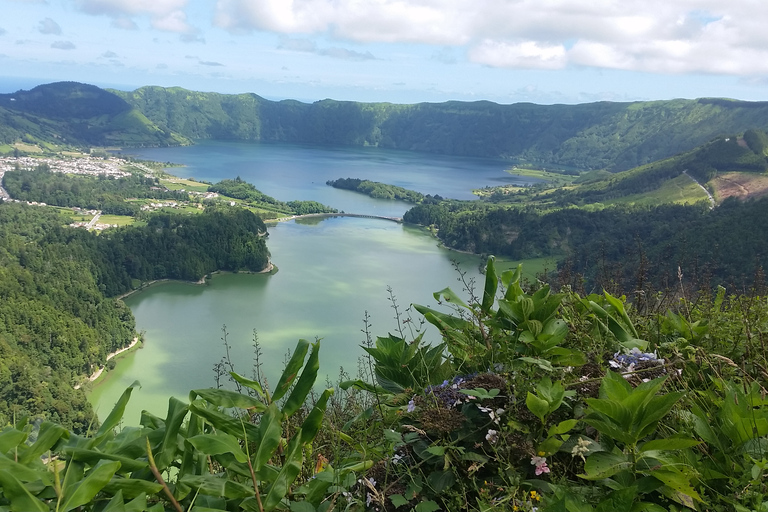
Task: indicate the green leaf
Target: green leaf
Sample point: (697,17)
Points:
(116,415)
(131,487)
(302,506)
(177,411)
(21,499)
(538,406)
(224,422)
(250,384)
(215,486)
(83,491)
(491,285)
(116,504)
(228,399)
(670,443)
(214,444)
(448,295)
(305,383)
(92,457)
(291,370)
(398,500)
(270,431)
(11,438)
(436,450)
(441,480)
(601,465)
(25,472)
(426,506)
(561,428)
(49,435)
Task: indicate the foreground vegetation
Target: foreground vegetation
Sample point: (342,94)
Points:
(530,400)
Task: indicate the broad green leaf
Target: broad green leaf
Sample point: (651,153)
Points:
(679,484)
(137,504)
(217,486)
(21,499)
(443,321)
(116,504)
(304,385)
(449,296)
(250,384)
(223,421)
(291,370)
(214,444)
(116,415)
(177,411)
(657,408)
(361,384)
(426,506)
(541,363)
(614,387)
(293,457)
(25,472)
(302,506)
(491,285)
(228,399)
(92,457)
(612,409)
(132,487)
(561,428)
(601,465)
(11,438)
(439,481)
(539,407)
(83,491)
(270,431)
(49,435)
(398,500)
(436,450)
(618,500)
(670,443)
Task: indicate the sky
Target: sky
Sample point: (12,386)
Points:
(399,51)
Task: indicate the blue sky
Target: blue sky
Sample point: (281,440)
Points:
(402,51)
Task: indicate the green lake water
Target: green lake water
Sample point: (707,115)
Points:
(330,273)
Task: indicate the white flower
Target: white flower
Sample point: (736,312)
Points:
(492,436)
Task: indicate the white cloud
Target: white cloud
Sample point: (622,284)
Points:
(526,54)
(63,45)
(165,15)
(309,46)
(48,26)
(665,36)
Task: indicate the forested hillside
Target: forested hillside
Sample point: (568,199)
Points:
(57,318)
(616,136)
(77,114)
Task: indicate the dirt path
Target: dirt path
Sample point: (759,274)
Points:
(711,199)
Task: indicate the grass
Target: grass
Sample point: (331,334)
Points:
(120,220)
(180,183)
(543,174)
(679,190)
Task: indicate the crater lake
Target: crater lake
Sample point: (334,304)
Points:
(332,272)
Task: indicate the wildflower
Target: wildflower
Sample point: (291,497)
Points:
(535,496)
(397,458)
(492,436)
(541,465)
(581,448)
(411,406)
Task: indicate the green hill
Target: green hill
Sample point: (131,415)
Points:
(77,114)
(616,136)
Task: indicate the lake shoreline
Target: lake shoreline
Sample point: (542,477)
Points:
(269,269)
